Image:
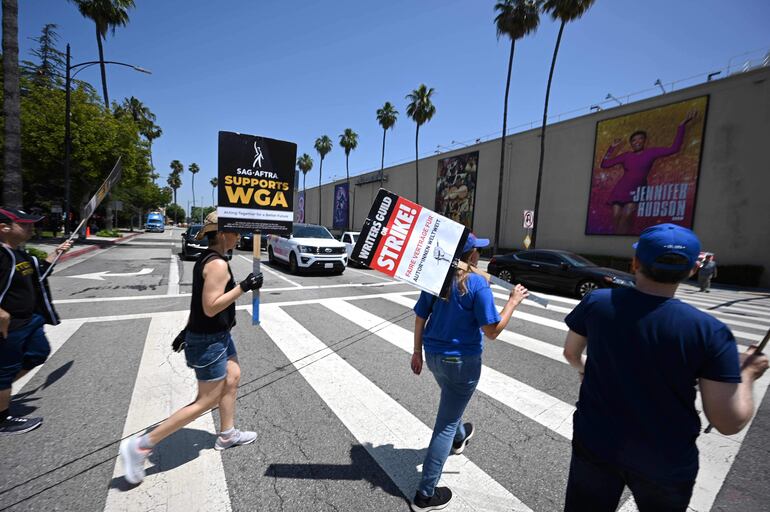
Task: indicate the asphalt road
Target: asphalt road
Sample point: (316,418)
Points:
(343,423)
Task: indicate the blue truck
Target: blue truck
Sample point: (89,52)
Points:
(155,223)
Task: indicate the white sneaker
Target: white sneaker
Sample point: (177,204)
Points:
(133,460)
(237,438)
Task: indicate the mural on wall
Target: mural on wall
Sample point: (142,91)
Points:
(341,205)
(456,187)
(645,168)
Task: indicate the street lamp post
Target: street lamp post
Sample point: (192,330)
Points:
(67,134)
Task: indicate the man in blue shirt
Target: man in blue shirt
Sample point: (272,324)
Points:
(635,422)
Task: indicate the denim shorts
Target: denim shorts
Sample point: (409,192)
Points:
(207,354)
(24,349)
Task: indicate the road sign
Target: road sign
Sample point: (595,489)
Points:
(529,219)
(527,241)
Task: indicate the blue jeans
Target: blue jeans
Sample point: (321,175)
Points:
(24,349)
(596,485)
(457,377)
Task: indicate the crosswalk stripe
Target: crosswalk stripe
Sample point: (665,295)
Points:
(57,336)
(541,407)
(163,385)
(518,340)
(551,307)
(376,420)
(744,308)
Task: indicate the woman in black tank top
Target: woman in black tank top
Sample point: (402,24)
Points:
(209,350)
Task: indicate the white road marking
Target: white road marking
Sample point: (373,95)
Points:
(57,335)
(99,276)
(369,274)
(541,407)
(551,307)
(173,276)
(391,434)
(273,272)
(163,385)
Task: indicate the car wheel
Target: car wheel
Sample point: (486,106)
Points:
(505,275)
(293,267)
(586,287)
(270,256)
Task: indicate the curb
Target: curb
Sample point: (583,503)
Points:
(91,248)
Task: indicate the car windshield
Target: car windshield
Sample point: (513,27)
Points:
(193,230)
(354,236)
(577,261)
(311,232)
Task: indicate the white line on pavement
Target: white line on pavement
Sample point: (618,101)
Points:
(551,307)
(57,335)
(518,340)
(536,405)
(173,276)
(273,272)
(369,274)
(392,435)
(163,385)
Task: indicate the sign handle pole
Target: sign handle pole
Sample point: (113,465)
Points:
(256,268)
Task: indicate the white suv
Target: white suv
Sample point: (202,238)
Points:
(309,247)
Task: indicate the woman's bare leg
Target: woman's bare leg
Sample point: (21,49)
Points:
(209,395)
(229,394)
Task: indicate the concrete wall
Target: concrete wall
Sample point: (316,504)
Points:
(732,217)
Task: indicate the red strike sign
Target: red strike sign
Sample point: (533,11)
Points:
(396,234)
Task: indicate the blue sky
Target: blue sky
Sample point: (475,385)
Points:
(297,70)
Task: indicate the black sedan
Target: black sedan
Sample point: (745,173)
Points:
(192,248)
(558,270)
(246,243)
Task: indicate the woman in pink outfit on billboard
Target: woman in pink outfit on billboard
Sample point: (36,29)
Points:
(636,166)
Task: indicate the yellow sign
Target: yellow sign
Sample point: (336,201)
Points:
(527,241)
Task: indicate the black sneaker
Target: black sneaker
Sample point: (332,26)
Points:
(440,499)
(14,425)
(459,446)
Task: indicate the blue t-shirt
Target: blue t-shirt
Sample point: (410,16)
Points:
(454,325)
(645,353)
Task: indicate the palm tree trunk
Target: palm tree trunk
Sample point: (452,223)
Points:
(382,165)
(416,166)
(320,173)
(175,219)
(347,180)
(12,183)
(101,65)
(193,189)
(498,212)
(542,136)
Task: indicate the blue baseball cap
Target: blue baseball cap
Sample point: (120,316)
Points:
(474,243)
(657,241)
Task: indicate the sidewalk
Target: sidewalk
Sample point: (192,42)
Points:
(81,246)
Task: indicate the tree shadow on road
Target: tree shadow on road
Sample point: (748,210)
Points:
(363,466)
(182,447)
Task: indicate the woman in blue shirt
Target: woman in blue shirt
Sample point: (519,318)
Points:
(453,344)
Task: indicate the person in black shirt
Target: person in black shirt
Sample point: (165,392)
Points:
(25,307)
(209,350)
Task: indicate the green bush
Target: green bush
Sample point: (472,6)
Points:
(109,233)
(37,253)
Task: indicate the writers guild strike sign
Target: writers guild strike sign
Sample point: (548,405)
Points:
(256,184)
(410,243)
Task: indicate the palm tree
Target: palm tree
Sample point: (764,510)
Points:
(420,110)
(305,163)
(174,181)
(151,131)
(386,116)
(349,141)
(323,145)
(12,184)
(564,11)
(214,182)
(515,19)
(193,168)
(106,15)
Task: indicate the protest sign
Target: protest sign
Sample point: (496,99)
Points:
(410,243)
(256,184)
(256,190)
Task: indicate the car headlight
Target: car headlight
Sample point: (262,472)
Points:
(305,248)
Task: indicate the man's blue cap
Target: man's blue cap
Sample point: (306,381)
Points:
(474,243)
(657,241)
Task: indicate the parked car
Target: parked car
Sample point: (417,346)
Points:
(349,238)
(558,270)
(246,243)
(192,248)
(309,247)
